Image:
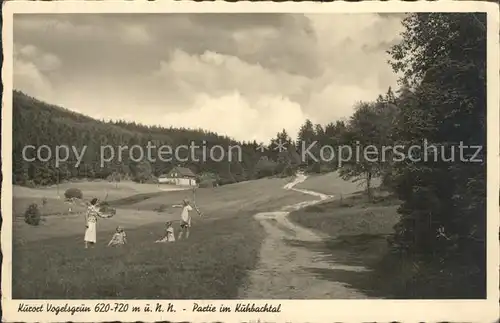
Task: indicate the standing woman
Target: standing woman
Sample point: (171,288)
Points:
(91,222)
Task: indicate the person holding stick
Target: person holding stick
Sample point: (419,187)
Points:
(91,222)
(185,218)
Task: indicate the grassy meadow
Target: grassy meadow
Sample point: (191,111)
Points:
(49,260)
(332,184)
(210,265)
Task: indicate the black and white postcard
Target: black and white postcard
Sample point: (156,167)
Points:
(250,162)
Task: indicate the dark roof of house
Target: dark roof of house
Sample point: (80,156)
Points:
(183,171)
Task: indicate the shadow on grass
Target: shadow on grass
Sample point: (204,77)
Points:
(136,198)
(282,227)
(353,259)
(358,198)
(364,262)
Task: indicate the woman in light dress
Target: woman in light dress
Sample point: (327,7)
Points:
(91,222)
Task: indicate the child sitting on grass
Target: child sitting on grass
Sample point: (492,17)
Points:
(119,238)
(169,233)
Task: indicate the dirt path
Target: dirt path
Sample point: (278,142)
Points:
(282,271)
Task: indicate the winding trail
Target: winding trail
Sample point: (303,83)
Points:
(282,272)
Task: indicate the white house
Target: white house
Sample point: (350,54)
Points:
(181,176)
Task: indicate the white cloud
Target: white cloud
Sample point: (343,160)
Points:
(336,101)
(30,68)
(250,41)
(28,51)
(233,97)
(28,78)
(57,26)
(135,35)
(216,73)
(43,61)
(355,62)
(354,69)
(49,62)
(234,115)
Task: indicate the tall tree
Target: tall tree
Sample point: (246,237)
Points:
(306,139)
(367,134)
(444,102)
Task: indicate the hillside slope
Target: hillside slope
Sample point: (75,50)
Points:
(38,123)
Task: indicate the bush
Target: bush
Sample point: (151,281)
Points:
(105,208)
(32,215)
(226,181)
(72,193)
(151,180)
(207,183)
(114,177)
(315,168)
(389,178)
(30,184)
(161,208)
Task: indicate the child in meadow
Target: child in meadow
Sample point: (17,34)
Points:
(119,238)
(169,233)
(185,218)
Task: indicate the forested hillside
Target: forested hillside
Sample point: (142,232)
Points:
(39,123)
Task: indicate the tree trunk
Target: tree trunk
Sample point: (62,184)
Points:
(368,185)
(58,195)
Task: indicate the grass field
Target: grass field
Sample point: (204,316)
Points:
(210,265)
(23,196)
(332,184)
(90,189)
(49,260)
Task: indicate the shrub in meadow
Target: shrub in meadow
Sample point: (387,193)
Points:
(207,183)
(161,208)
(105,208)
(32,215)
(73,193)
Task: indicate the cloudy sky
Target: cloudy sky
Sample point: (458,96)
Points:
(244,75)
